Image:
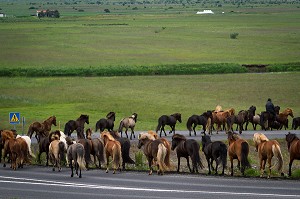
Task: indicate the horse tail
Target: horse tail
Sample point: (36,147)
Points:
(168,153)
(244,155)
(121,126)
(80,160)
(223,155)
(67,129)
(125,153)
(117,155)
(30,131)
(99,148)
(189,124)
(196,156)
(161,155)
(61,146)
(277,153)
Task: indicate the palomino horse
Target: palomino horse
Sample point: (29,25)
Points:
(266,150)
(187,148)
(41,128)
(128,122)
(195,120)
(293,144)
(282,118)
(77,125)
(238,149)
(154,150)
(221,118)
(168,120)
(56,152)
(75,153)
(96,147)
(112,148)
(125,148)
(214,151)
(106,123)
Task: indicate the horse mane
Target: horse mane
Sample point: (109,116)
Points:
(259,137)
(143,136)
(179,137)
(290,137)
(154,134)
(82,117)
(110,115)
(108,135)
(233,135)
(218,108)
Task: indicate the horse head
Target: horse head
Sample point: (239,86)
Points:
(205,140)
(111,115)
(289,139)
(134,116)
(232,137)
(144,138)
(84,118)
(290,112)
(177,116)
(88,133)
(176,139)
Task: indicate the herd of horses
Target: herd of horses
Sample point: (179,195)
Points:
(59,146)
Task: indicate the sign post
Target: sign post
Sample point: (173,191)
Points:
(14,118)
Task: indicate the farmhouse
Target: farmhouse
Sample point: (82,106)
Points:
(205,12)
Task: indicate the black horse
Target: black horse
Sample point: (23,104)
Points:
(214,151)
(106,123)
(296,123)
(251,114)
(125,148)
(195,120)
(168,120)
(187,148)
(77,125)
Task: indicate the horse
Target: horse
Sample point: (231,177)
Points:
(28,142)
(41,128)
(168,120)
(296,123)
(125,148)
(96,148)
(251,114)
(187,148)
(221,118)
(238,149)
(112,148)
(282,118)
(17,149)
(87,151)
(266,150)
(128,122)
(77,125)
(267,119)
(238,119)
(195,120)
(154,150)
(214,151)
(56,152)
(293,144)
(75,153)
(106,123)
(44,143)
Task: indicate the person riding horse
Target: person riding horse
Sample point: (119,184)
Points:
(270,108)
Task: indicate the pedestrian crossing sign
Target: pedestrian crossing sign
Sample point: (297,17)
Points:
(14,118)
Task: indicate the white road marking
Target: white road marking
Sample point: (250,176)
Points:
(79,185)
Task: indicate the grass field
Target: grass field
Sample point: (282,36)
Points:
(149,96)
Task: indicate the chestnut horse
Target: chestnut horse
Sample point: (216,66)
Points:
(96,147)
(112,148)
(106,123)
(293,144)
(168,120)
(238,149)
(266,150)
(187,148)
(41,128)
(154,150)
(221,118)
(77,125)
(128,122)
(282,118)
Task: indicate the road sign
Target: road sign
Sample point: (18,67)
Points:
(14,118)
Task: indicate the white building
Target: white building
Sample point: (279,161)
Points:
(205,12)
(2,15)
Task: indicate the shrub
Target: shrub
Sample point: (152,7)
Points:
(234,35)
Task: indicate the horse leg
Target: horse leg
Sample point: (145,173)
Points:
(163,129)
(231,167)
(290,166)
(188,164)
(132,133)
(269,166)
(126,132)
(216,170)
(194,128)
(178,166)
(71,166)
(262,167)
(107,162)
(208,163)
(150,165)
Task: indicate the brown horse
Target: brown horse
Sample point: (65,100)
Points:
(17,149)
(266,150)
(293,144)
(56,152)
(221,118)
(77,125)
(41,128)
(238,149)
(128,122)
(282,118)
(75,155)
(187,148)
(112,148)
(96,147)
(238,119)
(155,151)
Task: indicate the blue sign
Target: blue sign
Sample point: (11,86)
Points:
(14,118)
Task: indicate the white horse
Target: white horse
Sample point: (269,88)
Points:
(28,142)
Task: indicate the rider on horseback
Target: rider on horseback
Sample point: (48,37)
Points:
(271,109)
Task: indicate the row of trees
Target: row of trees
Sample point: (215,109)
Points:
(48,13)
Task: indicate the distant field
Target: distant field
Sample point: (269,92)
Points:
(149,96)
(148,36)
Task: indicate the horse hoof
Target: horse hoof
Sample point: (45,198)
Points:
(53,169)
(72,176)
(106,171)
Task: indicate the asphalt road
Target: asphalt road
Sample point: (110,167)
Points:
(42,182)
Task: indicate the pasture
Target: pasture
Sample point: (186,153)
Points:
(149,96)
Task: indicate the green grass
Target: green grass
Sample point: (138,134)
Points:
(149,96)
